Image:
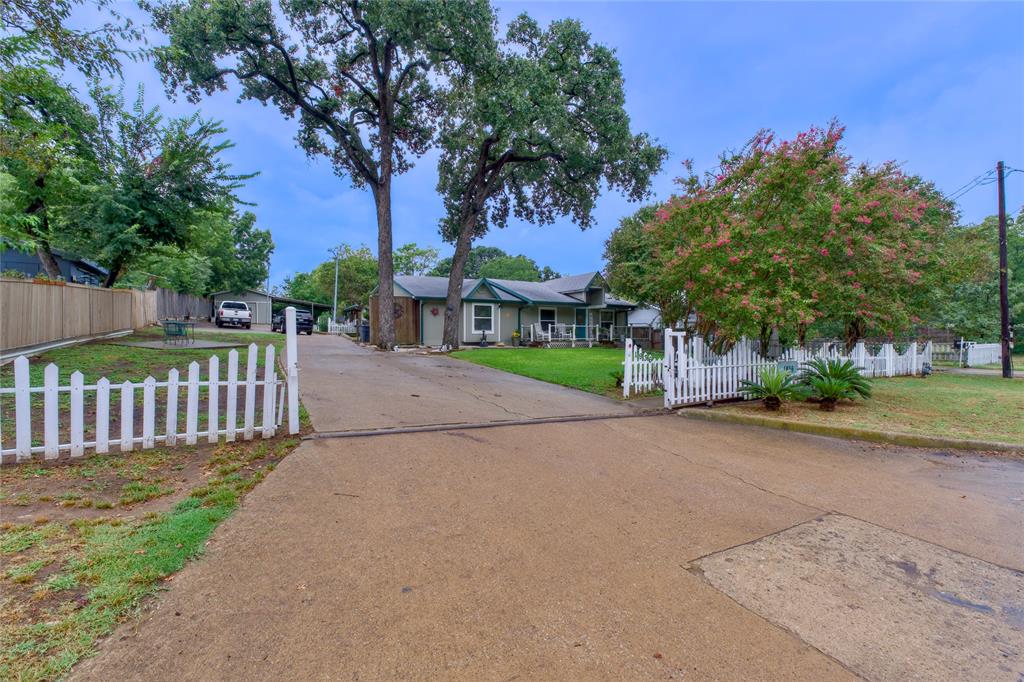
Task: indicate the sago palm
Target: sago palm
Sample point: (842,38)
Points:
(838,370)
(773,387)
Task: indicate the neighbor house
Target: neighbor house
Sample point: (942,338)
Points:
(72,268)
(564,311)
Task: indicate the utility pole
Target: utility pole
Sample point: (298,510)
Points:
(334,308)
(1004,282)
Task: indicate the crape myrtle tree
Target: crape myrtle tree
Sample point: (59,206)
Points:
(785,234)
(361,75)
(535,130)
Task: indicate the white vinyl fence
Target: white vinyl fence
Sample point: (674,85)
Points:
(691,372)
(976,354)
(149,431)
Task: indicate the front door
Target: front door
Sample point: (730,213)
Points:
(581,323)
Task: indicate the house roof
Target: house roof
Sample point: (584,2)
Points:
(553,291)
(572,282)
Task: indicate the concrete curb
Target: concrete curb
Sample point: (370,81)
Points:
(891,437)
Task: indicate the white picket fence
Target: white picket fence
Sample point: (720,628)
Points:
(694,374)
(691,372)
(976,354)
(341,327)
(641,371)
(168,430)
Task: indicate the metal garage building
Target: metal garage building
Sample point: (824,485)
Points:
(263,304)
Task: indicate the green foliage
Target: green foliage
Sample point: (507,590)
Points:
(490,261)
(773,387)
(35,31)
(410,259)
(842,371)
(157,177)
(971,308)
(538,130)
(47,152)
(633,268)
(357,276)
(828,390)
(511,267)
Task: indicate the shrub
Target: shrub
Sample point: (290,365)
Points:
(833,380)
(773,387)
(843,370)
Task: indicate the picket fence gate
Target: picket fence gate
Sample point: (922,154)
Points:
(275,392)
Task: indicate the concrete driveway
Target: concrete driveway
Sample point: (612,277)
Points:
(346,387)
(636,548)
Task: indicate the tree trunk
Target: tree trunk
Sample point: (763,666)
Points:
(453,304)
(46,257)
(114,273)
(385,261)
(41,235)
(853,332)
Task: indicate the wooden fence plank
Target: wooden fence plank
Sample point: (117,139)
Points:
(102,416)
(230,418)
(192,404)
(77,432)
(213,399)
(250,393)
(51,423)
(127,416)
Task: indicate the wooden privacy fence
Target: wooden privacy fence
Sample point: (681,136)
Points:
(176,304)
(270,392)
(34,313)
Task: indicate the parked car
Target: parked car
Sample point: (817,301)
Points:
(234,313)
(303,322)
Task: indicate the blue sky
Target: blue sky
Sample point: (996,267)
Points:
(938,87)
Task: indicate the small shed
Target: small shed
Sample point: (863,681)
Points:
(263,304)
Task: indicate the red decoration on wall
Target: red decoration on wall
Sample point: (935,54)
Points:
(434,311)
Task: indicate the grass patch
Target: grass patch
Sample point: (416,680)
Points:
(949,405)
(588,369)
(69,582)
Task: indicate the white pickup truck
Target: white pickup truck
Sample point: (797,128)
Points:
(235,313)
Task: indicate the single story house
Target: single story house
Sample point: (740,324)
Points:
(564,311)
(263,305)
(72,268)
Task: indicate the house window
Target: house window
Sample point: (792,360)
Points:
(547,318)
(483,318)
(607,318)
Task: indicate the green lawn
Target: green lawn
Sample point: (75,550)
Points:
(588,369)
(951,405)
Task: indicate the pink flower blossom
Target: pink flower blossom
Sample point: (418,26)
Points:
(824,252)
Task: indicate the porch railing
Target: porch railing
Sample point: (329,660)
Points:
(571,334)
